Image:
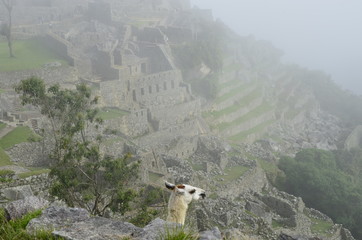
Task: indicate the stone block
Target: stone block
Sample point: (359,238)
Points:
(16,193)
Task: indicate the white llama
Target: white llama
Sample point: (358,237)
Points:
(180,198)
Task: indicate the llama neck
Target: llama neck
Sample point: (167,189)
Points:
(177,208)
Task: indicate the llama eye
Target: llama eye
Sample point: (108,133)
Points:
(192,191)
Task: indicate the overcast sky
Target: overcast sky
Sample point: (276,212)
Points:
(318,34)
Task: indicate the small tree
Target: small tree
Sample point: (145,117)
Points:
(5,29)
(83,177)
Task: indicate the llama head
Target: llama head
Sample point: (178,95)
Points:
(188,192)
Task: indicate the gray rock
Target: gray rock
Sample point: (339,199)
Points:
(16,193)
(213,234)
(77,224)
(99,228)
(19,208)
(57,217)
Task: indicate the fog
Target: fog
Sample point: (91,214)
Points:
(317,34)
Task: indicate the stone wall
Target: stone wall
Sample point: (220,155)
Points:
(39,184)
(50,75)
(164,137)
(33,154)
(169,116)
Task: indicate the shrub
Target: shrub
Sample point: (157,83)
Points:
(15,229)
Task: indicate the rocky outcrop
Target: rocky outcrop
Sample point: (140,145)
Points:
(19,208)
(77,224)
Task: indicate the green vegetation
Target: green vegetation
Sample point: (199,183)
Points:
(257,129)
(30,54)
(15,229)
(83,177)
(111,113)
(16,136)
(232,173)
(327,181)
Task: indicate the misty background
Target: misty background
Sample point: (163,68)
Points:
(322,34)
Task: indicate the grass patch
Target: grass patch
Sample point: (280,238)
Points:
(232,173)
(4,158)
(111,113)
(320,226)
(16,136)
(2,91)
(29,54)
(33,173)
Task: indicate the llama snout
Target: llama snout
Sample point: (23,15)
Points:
(203,195)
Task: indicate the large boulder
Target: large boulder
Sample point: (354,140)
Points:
(58,217)
(19,208)
(16,193)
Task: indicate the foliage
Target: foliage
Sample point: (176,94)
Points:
(327,181)
(18,135)
(148,197)
(83,176)
(15,229)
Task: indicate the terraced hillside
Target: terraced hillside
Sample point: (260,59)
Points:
(249,102)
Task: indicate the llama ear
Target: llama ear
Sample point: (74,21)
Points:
(170,185)
(181,186)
